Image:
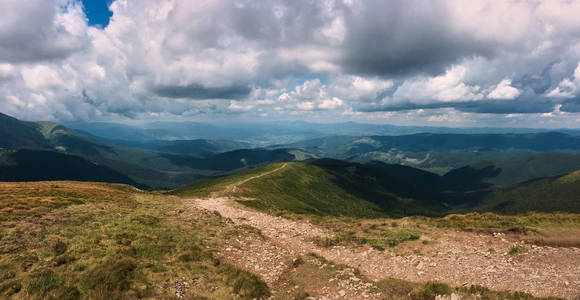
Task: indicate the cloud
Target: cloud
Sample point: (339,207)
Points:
(504,90)
(38,30)
(328,59)
(197,91)
(449,87)
(389,38)
(568,87)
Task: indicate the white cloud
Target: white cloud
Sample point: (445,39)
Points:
(568,87)
(330,103)
(54,66)
(504,90)
(357,88)
(449,87)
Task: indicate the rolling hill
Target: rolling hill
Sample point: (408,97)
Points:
(338,188)
(527,167)
(556,194)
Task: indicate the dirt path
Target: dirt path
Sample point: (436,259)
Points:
(232,188)
(457,258)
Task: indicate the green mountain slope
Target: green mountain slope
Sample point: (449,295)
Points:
(19,134)
(327,187)
(557,194)
(34,165)
(333,187)
(526,167)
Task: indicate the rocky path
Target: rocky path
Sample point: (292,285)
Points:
(456,258)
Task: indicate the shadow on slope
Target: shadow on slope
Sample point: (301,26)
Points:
(35,165)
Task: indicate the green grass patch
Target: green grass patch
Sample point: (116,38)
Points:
(378,239)
(114,244)
(501,222)
(517,249)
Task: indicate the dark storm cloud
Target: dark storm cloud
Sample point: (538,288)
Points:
(571,105)
(517,106)
(540,82)
(389,39)
(199,92)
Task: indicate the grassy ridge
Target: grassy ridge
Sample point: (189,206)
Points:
(70,240)
(204,187)
(306,189)
(335,188)
(560,194)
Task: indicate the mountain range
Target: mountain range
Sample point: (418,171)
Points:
(421,173)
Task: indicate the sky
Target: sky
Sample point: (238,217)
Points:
(477,63)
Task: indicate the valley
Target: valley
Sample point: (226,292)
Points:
(421,216)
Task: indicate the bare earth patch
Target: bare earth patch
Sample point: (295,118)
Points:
(457,258)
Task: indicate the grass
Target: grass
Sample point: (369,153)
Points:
(556,194)
(70,240)
(517,249)
(308,189)
(204,187)
(501,222)
(321,188)
(378,239)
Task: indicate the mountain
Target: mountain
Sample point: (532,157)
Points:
(18,134)
(328,187)
(238,159)
(338,188)
(556,194)
(439,153)
(344,147)
(268,133)
(35,165)
(199,148)
(165,167)
(527,167)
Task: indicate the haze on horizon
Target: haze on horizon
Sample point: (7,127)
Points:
(437,63)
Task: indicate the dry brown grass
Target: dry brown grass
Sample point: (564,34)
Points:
(71,240)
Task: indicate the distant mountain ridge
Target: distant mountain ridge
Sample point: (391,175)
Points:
(348,146)
(268,133)
(170,164)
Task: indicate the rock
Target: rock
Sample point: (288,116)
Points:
(454,297)
(341,293)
